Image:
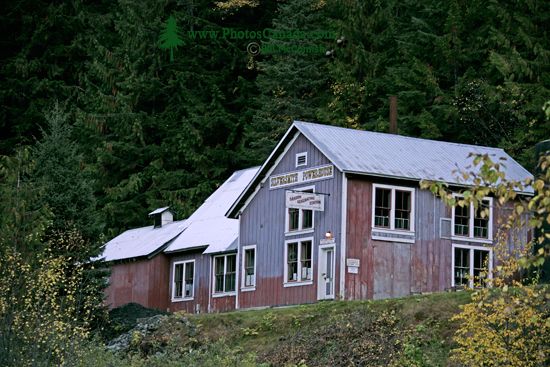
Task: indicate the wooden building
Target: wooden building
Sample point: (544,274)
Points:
(338,213)
(332,213)
(169,265)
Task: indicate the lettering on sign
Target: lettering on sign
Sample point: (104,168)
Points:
(353,270)
(297,177)
(305,200)
(353,262)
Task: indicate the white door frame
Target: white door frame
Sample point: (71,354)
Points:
(321,284)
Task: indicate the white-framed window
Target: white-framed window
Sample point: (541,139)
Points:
(249,267)
(183,280)
(471,224)
(299,220)
(298,266)
(393,208)
(301,159)
(225,273)
(472,266)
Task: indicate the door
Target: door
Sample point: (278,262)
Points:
(325,288)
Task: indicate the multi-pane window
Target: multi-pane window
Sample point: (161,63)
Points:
(393,208)
(462,220)
(299,219)
(183,277)
(225,270)
(249,266)
(471,266)
(299,261)
(473,222)
(382,208)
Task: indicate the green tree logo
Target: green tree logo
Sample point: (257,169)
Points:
(169,38)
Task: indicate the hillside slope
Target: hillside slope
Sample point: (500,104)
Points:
(411,331)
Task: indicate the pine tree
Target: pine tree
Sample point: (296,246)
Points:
(170,38)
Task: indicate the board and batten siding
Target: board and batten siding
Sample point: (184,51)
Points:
(394,269)
(199,302)
(262,223)
(143,281)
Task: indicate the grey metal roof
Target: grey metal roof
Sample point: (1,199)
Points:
(397,156)
(159,210)
(142,241)
(208,225)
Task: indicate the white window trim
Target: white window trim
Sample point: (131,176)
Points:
(299,155)
(286,283)
(392,228)
(300,231)
(245,288)
(470,237)
(173,281)
(224,293)
(471,248)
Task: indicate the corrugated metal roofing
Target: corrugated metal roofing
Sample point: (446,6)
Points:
(159,210)
(208,225)
(391,155)
(141,241)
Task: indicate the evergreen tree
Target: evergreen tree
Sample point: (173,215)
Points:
(67,187)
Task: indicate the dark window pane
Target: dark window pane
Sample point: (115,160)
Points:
(189,273)
(178,280)
(481,265)
(462,266)
(481,220)
(219,269)
(402,209)
(249,258)
(462,220)
(293,219)
(292,262)
(382,208)
(306,260)
(307,219)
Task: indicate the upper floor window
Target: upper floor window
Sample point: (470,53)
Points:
(301,159)
(298,220)
(182,280)
(393,208)
(225,270)
(473,223)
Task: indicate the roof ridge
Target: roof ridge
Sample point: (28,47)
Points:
(297,122)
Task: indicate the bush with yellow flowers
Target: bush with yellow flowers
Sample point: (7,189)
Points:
(508,323)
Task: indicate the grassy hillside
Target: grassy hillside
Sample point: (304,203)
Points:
(411,331)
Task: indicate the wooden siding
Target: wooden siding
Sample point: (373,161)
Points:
(393,269)
(140,281)
(262,223)
(199,303)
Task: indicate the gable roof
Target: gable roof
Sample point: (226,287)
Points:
(208,226)
(387,155)
(140,242)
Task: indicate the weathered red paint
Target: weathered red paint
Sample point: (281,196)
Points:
(141,281)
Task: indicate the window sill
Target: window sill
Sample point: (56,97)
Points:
(392,235)
(297,284)
(472,239)
(300,232)
(176,300)
(248,289)
(219,295)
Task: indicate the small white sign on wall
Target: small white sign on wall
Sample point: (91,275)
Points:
(353,262)
(305,200)
(353,270)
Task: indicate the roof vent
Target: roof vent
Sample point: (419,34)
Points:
(162,216)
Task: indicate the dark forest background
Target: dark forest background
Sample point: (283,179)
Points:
(99,127)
